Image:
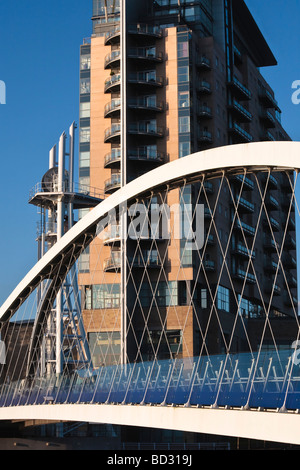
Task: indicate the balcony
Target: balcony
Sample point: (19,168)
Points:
(240,112)
(209,265)
(267,136)
(290,299)
(112,109)
(238,57)
(148,54)
(112,37)
(145,104)
(247,183)
(271,203)
(247,229)
(270,266)
(112,84)
(208,186)
(271,288)
(113,263)
(289,262)
(241,250)
(112,159)
(240,91)
(204,87)
(240,134)
(146,259)
(146,154)
(243,205)
(270,244)
(271,222)
(204,136)
(204,111)
(145,30)
(203,63)
(145,128)
(292,280)
(112,184)
(267,99)
(146,79)
(112,237)
(112,134)
(242,275)
(267,119)
(290,243)
(271,180)
(112,59)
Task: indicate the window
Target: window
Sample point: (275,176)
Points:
(183,73)
(84,159)
(183,49)
(100,296)
(184,124)
(184,149)
(84,261)
(85,85)
(223,298)
(184,99)
(85,134)
(85,109)
(105,347)
(85,62)
(203,298)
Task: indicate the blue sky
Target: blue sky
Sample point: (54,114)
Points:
(40,65)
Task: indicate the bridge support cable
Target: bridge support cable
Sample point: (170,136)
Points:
(211,297)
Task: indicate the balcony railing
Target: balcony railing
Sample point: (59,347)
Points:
(204,111)
(145,53)
(204,136)
(240,90)
(243,275)
(112,183)
(113,157)
(149,78)
(113,36)
(147,259)
(112,235)
(145,128)
(267,99)
(149,103)
(112,132)
(113,262)
(243,114)
(203,62)
(242,135)
(204,86)
(112,107)
(146,154)
(112,57)
(145,29)
(112,82)
(244,205)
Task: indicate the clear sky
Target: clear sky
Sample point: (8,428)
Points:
(40,65)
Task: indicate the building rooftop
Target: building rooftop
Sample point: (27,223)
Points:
(247,27)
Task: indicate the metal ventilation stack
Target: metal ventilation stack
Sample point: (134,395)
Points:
(57,198)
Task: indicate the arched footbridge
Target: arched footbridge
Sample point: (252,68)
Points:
(201,334)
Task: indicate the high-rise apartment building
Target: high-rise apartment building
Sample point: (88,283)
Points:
(159,80)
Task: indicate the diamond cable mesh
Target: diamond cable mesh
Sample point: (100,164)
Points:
(207,341)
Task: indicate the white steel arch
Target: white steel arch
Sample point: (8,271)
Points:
(257,156)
